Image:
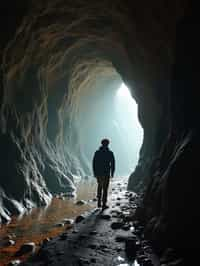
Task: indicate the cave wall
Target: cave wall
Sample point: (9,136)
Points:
(47,57)
(169,210)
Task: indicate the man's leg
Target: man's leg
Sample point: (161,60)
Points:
(105,189)
(99,190)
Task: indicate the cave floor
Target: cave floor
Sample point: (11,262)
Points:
(44,222)
(93,241)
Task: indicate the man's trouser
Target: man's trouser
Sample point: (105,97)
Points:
(103,183)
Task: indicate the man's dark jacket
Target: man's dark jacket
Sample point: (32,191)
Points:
(103,162)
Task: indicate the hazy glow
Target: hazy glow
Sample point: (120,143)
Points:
(124,92)
(127,105)
(128,125)
(109,110)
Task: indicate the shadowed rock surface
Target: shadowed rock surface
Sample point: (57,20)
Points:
(50,55)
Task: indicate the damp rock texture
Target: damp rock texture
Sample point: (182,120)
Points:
(170,205)
(51,53)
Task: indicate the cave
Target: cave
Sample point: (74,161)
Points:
(57,54)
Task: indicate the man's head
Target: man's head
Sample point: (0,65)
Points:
(105,142)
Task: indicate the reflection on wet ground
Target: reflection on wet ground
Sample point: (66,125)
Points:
(103,238)
(41,223)
(120,261)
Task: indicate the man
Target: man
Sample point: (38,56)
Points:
(103,169)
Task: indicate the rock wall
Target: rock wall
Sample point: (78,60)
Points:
(51,53)
(170,207)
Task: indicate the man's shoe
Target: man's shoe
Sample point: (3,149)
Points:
(105,206)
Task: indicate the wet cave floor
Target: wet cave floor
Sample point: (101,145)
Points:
(110,237)
(45,222)
(100,238)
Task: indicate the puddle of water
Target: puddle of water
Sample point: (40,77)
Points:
(40,223)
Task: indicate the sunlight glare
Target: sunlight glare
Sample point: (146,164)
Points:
(123,91)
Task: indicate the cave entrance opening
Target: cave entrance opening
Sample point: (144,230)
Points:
(108,110)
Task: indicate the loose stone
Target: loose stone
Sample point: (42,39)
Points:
(106,216)
(79,219)
(26,248)
(81,202)
(14,263)
(116,225)
(68,221)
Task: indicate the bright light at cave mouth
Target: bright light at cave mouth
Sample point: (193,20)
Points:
(129,128)
(127,106)
(111,112)
(124,92)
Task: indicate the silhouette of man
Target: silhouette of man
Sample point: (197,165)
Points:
(103,169)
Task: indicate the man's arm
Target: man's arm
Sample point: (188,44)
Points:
(94,164)
(112,164)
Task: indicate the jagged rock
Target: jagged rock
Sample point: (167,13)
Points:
(125,208)
(102,246)
(14,263)
(79,219)
(120,238)
(45,241)
(126,227)
(93,246)
(116,225)
(118,249)
(123,237)
(68,221)
(95,199)
(26,248)
(147,248)
(8,243)
(116,210)
(9,237)
(141,257)
(63,236)
(147,262)
(132,198)
(81,202)
(105,216)
(144,242)
(59,225)
(83,261)
(93,233)
(138,245)
(30,128)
